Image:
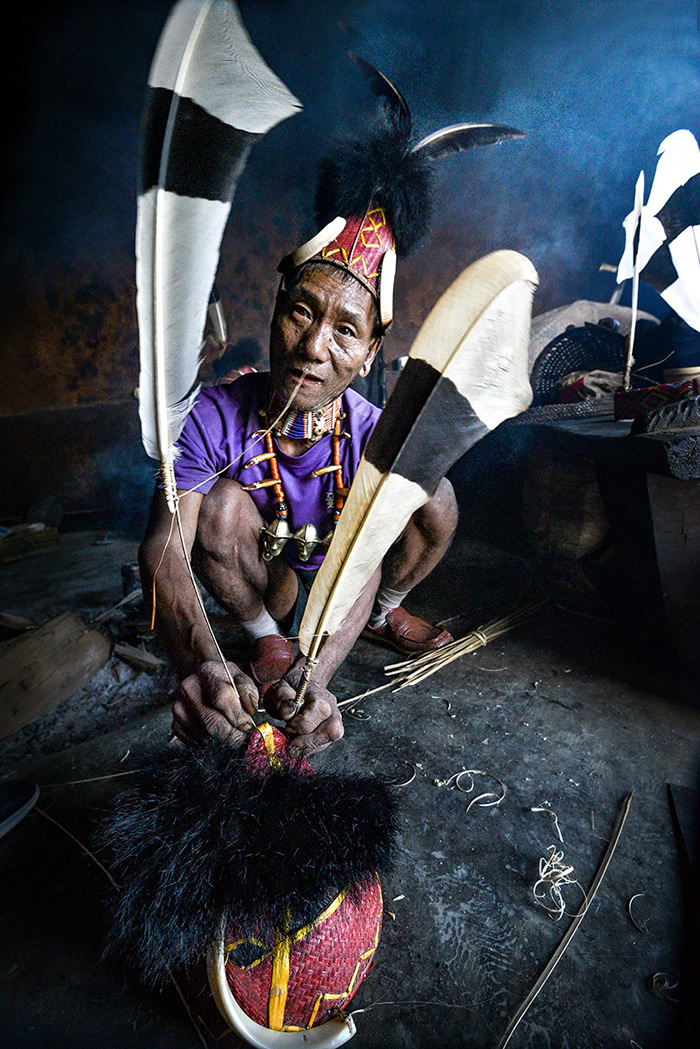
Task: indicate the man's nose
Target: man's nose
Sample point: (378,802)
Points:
(315,343)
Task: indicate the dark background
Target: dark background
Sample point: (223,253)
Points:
(596,86)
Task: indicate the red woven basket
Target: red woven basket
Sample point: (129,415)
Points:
(304,977)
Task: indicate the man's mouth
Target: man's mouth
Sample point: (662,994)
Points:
(304,378)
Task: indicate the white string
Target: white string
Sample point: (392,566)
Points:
(485,800)
(258,436)
(200,599)
(546,807)
(573,927)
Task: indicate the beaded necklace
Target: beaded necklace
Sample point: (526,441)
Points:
(300,425)
(308,425)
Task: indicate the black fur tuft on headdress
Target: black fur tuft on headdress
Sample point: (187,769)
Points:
(378,169)
(386,168)
(199,839)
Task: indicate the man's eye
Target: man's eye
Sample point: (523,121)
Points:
(300,311)
(345,331)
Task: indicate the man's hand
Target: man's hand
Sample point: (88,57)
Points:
(317,724)
(206,704)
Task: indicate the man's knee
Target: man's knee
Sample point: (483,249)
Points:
(228,520)
(437,519)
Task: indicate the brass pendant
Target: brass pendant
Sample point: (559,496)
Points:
(307,539)
(273,538)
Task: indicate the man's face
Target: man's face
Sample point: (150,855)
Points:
(321,336)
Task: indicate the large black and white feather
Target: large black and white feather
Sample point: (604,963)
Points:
(198,839)
(466,373)
(210,98)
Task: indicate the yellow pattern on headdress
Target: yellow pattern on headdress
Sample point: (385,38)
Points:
(368,237)
(373,225)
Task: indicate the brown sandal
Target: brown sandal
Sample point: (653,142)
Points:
(408,634)
(271,659)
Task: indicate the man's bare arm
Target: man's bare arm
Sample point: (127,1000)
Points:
(205,703)
(179,621)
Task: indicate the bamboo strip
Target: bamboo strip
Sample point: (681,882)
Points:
(413,671)
(571,931)
(418,668)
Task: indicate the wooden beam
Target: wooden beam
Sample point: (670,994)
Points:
(45,666)
(139,658)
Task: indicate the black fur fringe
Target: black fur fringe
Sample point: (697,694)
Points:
(197,839)
(381,169)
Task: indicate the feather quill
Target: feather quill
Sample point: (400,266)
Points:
(467,372)
(456,137)
(210,98)
(394,102)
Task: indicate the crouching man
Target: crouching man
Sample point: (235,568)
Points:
(264,467)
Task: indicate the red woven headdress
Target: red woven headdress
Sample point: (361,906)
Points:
(304,974)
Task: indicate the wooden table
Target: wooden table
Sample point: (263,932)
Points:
(649,490)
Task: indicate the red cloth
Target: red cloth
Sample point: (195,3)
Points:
(631,403)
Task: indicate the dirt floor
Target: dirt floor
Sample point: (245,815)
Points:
(569,714)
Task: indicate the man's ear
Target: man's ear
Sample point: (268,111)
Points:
(369,359)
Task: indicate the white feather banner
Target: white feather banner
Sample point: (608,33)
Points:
(663,240)
(636,215)
(210,98)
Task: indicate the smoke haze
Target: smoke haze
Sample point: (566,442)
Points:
(596,86)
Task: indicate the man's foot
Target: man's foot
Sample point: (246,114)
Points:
(408,634)
(271,659)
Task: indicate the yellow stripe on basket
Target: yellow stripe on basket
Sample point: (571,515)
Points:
(268,736)
(280,969)
(324,998)
(231,947)
(330,909)
(279,985)
(344,995)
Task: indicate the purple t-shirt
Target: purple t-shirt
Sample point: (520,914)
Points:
(217,440)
